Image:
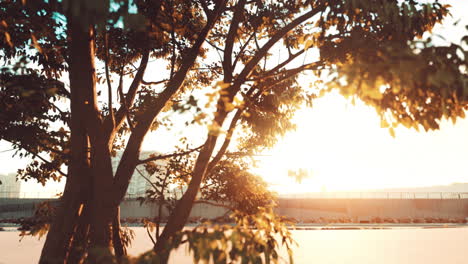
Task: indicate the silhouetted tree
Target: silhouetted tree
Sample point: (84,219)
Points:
(194,43)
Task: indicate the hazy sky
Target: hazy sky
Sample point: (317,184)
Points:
(344,147)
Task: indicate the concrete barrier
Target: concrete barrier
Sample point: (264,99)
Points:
(300,209)
(303,209)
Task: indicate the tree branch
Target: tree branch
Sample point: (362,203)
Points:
(205,7)
(160,157)
(130,156)
(146,178)
(226,142)
(109,87)
(124,103)
(173,55)
(153,83)
(214,46)
(127,101)
(50,149)
(150,236)
(36,155)
(230,38)
(242,50)
(264,49)
(284,63)
(288,73)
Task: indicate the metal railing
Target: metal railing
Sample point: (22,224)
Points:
(52,195)
(31,195)
(317,195)
(378,195)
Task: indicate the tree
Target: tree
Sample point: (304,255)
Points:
(256,92)
(415,83)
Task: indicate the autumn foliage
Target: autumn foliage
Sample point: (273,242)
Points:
(84,79)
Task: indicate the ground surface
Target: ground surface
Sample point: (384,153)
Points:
(401,245)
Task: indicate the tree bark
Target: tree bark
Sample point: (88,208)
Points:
(104,208)
(61,233)
(80,240)
(181,212)
(119,247)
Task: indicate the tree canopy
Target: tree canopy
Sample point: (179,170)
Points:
(83,79)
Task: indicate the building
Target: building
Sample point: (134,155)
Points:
(10,187)
(140,181)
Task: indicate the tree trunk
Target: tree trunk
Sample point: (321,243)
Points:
(60,235)
(104,208)
(82,83)
(181,213)
(100,235)
(80,240)
(119,247)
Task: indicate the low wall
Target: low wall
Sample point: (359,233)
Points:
(301,209)
(14,208)
(133,209)
(304,209)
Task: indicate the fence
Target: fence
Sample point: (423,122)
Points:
(34,195)
(318,195)
(27,195)
(379,195)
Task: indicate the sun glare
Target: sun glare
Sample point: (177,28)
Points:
(343,148)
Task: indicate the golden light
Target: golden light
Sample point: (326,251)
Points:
(343,148)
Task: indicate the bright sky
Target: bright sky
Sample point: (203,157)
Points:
(344,148)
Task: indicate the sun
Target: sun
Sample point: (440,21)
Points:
(343,148)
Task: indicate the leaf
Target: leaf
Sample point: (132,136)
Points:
(215,130)
(384,123)
(465,39)
(221,84)
(290,254)
(8,39)
(308,44)
(35,43)
(392,132)
(228,107)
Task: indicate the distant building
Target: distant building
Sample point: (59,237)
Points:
(139,182)
(10,187)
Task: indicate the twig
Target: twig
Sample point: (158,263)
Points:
(151,237)
(214,46)
(215,204)
(124,103)
(153,83)
(37,156)
(146,178)
(109,86)
(227,140)
(160,157)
